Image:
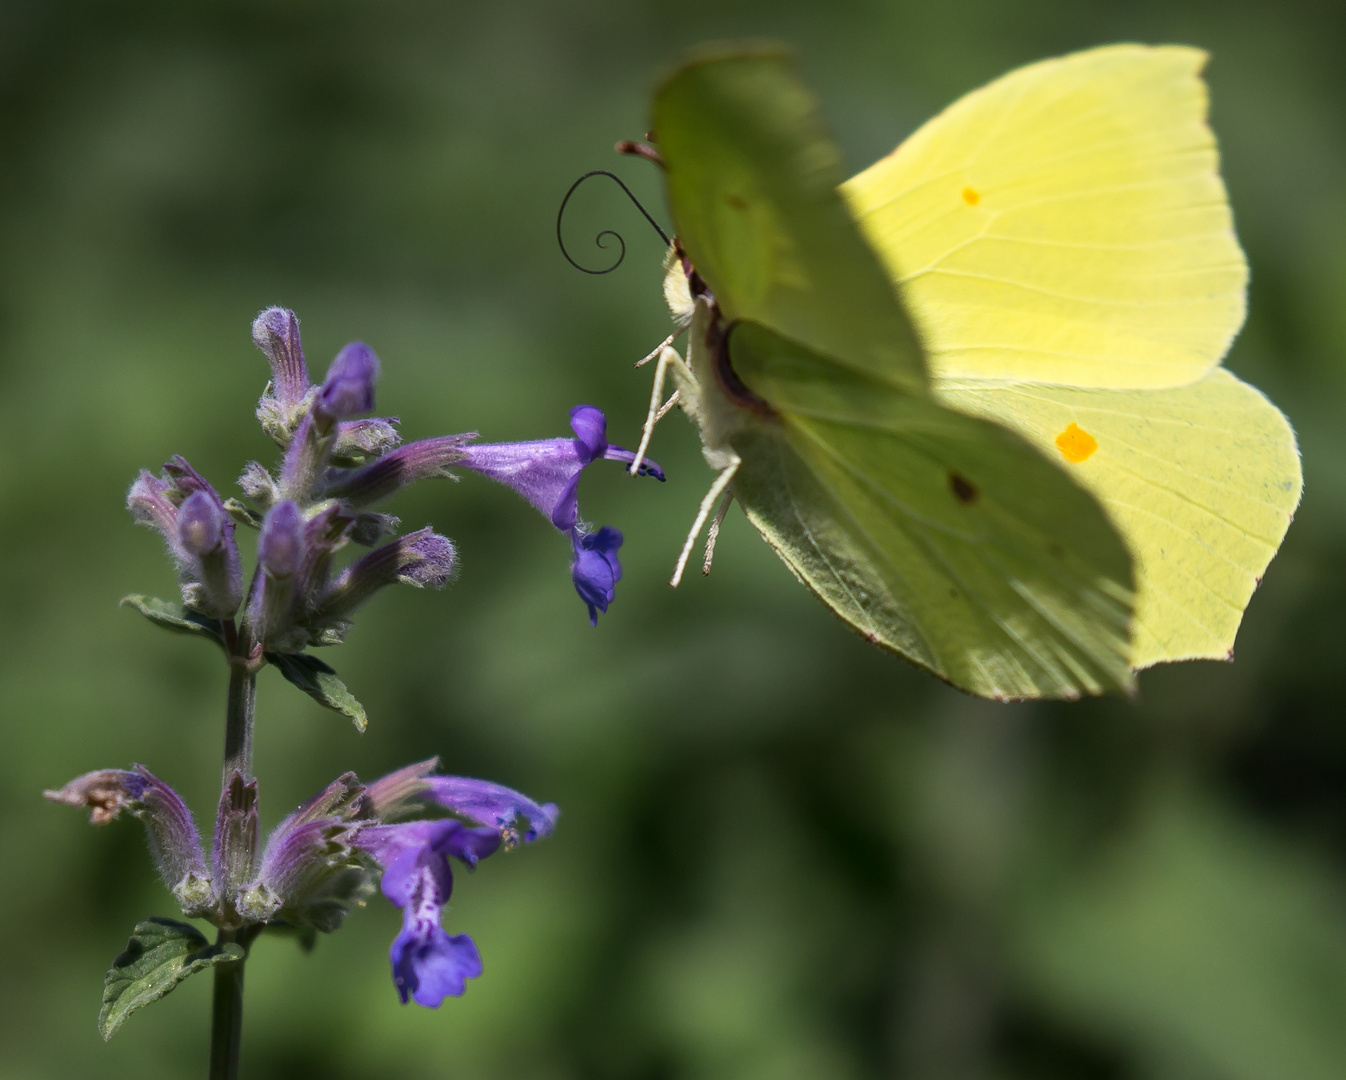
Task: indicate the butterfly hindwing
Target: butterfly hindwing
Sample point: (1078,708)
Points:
(1201,480)
(943,537)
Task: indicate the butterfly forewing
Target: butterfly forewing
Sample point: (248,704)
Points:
(752,182)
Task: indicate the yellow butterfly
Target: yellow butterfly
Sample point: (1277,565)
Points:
(1063,243)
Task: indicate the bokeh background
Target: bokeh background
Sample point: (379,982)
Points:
(783,854)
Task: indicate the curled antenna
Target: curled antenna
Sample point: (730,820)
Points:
(601,237)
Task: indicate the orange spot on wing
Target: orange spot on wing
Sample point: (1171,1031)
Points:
(970,196)
(1076,444)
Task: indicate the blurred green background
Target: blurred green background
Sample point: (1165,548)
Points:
(783,854)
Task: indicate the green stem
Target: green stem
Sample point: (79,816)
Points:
(226,1022)
(226,1025)
(238,719)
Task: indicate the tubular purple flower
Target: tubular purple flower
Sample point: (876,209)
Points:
(428,964)
(173,839)
(395,470)
(421,558)
(547,474)
(348,389)
(393,795)
(516,816)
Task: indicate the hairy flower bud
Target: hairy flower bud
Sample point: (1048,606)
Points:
(310,875)
(421,558)
(276,332)
(396,469)
(280,553)
(348,389)
(357,440)
(235,845)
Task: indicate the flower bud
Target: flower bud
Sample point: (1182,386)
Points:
(235,845)
(276,332)
(200,525)
(348,389)
(405,465)
(421,559)
(280,553)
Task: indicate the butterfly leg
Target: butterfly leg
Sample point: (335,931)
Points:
(713,533)
(668,356)
(654,353)
(716,490)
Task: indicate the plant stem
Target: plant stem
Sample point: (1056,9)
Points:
(238,719)
(226,1022)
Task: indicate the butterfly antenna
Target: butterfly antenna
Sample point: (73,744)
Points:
(601,238)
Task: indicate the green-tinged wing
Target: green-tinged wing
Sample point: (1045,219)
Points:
(943,537)
(752,182)
(1201,480)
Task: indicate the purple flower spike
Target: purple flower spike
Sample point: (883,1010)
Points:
(428,964)
(172,834)
(495,805)
(348,389)
(547,473)
(596,569)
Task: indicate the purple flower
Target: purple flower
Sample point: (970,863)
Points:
(547,473)
(174,843)
(428,964)
(495,805)
(276,332)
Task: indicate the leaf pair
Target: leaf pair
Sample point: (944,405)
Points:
(1057,486)
(304,670)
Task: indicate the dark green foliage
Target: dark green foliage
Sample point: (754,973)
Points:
(161,953)
(321,683)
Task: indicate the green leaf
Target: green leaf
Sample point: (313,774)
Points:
(161,953)
(752,182)
(320,683)
(175,617)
